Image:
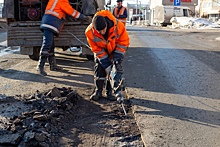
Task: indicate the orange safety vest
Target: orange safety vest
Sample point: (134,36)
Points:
(118,39)
(60,8)
(121,12)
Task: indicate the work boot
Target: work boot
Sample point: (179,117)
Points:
(109,94)
(53,65)
(40,66)
(98,90)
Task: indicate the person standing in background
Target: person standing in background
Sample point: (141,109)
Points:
(120,12)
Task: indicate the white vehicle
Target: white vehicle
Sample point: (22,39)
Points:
(163,14)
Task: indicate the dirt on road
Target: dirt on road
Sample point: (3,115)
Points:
(55,110)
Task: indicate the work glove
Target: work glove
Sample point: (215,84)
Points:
(108,71)
(88,19)
(118,66)
(85,18)
(118,57)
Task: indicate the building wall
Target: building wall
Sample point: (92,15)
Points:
(205,6)
(210,9)
(183,2)
(189,3)
(154,3)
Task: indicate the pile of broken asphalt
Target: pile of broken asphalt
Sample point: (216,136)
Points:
(43,118)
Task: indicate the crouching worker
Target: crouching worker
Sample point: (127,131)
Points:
(51,25)
(108,41)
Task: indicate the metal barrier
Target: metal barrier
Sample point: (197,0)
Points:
(141,22)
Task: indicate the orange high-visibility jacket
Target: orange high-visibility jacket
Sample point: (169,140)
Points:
(117,42)
(121,12)
(55,14)
(60,8)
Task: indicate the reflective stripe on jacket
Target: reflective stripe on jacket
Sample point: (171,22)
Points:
(55,14)
(120,12)
(117,42)
(51,23)
(60,8)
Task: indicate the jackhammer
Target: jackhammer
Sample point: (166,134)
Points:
(117,84)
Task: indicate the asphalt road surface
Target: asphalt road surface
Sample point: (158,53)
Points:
(172,77)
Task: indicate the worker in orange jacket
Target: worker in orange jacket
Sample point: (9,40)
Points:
(120,12)
(108,40)
(51,25)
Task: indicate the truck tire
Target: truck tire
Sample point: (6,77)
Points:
(36,53)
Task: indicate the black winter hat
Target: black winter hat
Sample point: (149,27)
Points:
(119,1)
(99,23)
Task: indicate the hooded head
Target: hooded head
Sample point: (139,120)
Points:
(99,23)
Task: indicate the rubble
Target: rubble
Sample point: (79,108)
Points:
(48,117)
(38,127)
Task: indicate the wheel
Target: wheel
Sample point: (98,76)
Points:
(90,57)
(36,53)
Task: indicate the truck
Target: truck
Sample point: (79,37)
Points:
(163,14)
(23,18)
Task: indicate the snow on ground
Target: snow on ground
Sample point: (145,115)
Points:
(4,49)
(190,22)
(9,50)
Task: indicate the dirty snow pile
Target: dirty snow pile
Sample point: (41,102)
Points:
(190,22)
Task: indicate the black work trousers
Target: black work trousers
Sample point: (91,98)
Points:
(99,71)
(47,48)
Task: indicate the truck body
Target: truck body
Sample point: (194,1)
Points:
(23,18)
(163,14)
